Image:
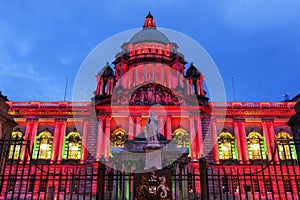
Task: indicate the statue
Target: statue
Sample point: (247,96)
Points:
(152,147)
(152,128)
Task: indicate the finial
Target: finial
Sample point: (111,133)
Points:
(286,97)
(149,15)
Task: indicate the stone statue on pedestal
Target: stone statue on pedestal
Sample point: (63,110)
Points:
(152,147)
(152,129)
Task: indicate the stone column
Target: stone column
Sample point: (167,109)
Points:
(244,145)
(154,72)
(268,141)
(129,78)
(107,137)
(215,142)
(187,86)
(85,141)
(99,151)
(162,126)
(199,137)
(170,77)
(190,86)
(145,73)
(192,138)
(169,128)
(56,142)
(108,86)
(26,138)
(198,87)
(61,139)
(101,87)
(136,78)
(33,134)
(130,129)
(138,125)
(201,85)
(272,138)
(112,86)
(121,76)
(238,142)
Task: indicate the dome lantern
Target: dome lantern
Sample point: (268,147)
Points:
(149,33)
(149,21)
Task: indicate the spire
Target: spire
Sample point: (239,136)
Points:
(149,22)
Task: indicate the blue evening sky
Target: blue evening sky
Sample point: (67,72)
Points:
(44,42)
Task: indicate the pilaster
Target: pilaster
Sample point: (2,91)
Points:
(62,133)
(99,151)
(200,151)
(238,141)
(86,125)
(169,128)
(215,141)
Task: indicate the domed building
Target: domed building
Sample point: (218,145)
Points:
(150,132)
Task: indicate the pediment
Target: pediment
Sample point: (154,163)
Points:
(149,94)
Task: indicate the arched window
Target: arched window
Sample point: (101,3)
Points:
(285,145)
(43,146)
(15,145)
(119,137)
(72,146)
(227,146)
(256,148)
(181,137)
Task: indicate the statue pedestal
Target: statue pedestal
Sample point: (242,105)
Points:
(153,155)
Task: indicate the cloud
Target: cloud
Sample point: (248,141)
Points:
(10,68)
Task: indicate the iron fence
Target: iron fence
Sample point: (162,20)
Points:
(25,178)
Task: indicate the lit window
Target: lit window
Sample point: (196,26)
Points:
(73,146)
(43,145)
(227,146)
(285,145)
(15,145)
(119,137)
(256,146)
(181,137)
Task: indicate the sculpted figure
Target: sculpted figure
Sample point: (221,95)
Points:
(152,128)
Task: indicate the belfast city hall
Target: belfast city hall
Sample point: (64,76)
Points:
(149,131)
